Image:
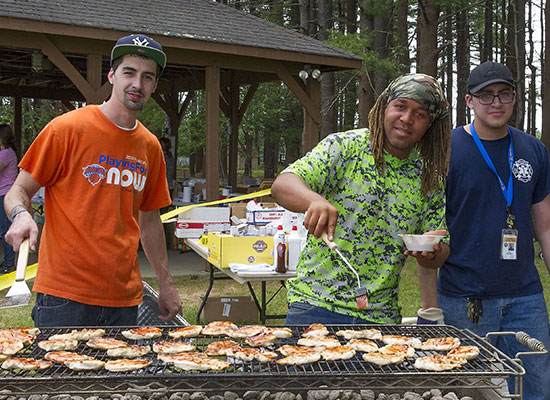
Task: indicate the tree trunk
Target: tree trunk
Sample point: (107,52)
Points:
(366,89)
(487,43)
(532,93)
(349,103)
(546,80)
(448,75)
(382,23)
(462,65)
(403,36)
(328,105)
(428,19)
(271,152)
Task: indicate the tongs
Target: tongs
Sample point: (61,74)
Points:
(360,292)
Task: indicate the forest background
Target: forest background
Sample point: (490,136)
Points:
(444,38)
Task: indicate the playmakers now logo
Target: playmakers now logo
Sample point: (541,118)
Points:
(123,172)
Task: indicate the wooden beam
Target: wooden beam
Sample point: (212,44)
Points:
(234,99)
(310,134)
(212,131)
(33,92)
(247,99)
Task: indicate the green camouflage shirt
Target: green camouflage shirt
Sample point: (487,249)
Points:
(373,210)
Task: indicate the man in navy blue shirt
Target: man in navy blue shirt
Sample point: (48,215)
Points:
(497,190)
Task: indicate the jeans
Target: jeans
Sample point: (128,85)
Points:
(52,311)
(306,314)
(528,314)
(9,256)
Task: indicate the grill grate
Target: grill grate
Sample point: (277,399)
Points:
(491,366)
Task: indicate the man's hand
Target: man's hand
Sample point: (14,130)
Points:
(22,227)
(321,216)
(170,302)
(432,259)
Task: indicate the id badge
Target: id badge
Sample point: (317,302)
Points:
(509,244)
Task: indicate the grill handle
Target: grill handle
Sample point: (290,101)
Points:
(535,345)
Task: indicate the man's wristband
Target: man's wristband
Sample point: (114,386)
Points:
(18,212)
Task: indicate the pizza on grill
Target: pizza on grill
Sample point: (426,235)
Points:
(81,335)
(218,328)
(396,349)
(325,341)
(338,353)
(221,348)
(280,333)
(439,362)
(26,364)
(315,330)
(194,361)
(399,339)
(63,356)
(439,344)
(172,347)
(129,351)
(58,344)
(142,332)
(246,331)
(261,339)
(249,354)
(363,345)
(9,347)
(105,343)
(359,334)
(186,332)
(467,352)
(383,359)
(125,364)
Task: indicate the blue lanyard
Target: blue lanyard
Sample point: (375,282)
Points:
(508,192)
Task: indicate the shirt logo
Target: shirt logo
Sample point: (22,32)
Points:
(94,173)
(139,42)
(522,170)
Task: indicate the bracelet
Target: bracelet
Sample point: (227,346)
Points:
(18,212)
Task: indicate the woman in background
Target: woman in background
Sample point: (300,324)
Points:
(8,173)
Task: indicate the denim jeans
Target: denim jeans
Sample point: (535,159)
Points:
(528,314)
(9,256)
(306,314)
(52,311)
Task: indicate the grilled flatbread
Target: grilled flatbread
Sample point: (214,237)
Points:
(397,349)
(124,364)
(363,345)
(359,334)
(103,343)
(218,328)
(58,344)
(142,332)
(280,333)
(439,344)
(383,359)
(300,358)
(194,361)
(398,339)
(26,364)
(81,335)
(325,341)
(186,332)
(9,347)
(221,348)
(91,364)
(172,347)
(246,331)
(65,356)
(129,351)
(315,330)
(261,339)
(249,354)
(338,353)
(467,352)
(439,362)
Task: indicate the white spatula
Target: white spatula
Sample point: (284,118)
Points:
(19,293)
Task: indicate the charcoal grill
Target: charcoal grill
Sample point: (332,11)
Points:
(487,373)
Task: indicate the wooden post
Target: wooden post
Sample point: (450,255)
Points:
(212,131)
(234,100)
(18,125)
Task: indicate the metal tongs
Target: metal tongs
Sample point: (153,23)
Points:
(360,292)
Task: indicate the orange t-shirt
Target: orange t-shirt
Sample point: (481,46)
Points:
(97,177)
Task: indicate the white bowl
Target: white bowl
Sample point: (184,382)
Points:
(421,242)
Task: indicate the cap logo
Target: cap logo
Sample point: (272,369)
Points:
(139,42)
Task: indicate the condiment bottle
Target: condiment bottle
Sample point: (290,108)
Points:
(294,248)
(280,250)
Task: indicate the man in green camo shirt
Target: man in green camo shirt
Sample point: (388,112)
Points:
(364,188)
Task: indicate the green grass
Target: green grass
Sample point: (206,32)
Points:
(192,288)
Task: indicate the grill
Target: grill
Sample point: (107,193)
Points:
(488,372)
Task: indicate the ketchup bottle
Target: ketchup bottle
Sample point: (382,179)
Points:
(280,251)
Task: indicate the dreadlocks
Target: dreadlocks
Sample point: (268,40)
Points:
(434,146)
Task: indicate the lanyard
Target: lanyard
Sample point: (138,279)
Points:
(508,192)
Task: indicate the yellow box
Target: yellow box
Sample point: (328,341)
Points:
(225,249)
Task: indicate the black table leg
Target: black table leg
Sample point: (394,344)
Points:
(211,283)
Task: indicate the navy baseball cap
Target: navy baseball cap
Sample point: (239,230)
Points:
(488,73)
(141,45)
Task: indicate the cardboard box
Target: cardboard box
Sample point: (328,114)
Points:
(224,249)
(265,215)
(238,210)
(194,222)
(231,308)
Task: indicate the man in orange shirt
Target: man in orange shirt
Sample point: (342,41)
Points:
(104,178)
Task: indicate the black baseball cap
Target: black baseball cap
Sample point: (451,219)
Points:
(488,73)
(141,45)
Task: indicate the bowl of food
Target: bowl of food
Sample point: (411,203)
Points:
(420,242)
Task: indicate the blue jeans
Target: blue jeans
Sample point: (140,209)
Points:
(52,311)
(9,256)
(306,314)
(528,314)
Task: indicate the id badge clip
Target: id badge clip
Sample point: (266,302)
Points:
(509,240)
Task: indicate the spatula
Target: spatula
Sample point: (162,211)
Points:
(19,293)
(360,292)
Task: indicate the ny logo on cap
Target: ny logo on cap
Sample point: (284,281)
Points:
(140,42)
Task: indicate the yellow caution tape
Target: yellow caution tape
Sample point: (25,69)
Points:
(7,280)
(179,210)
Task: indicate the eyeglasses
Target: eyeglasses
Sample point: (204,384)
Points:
(488,98)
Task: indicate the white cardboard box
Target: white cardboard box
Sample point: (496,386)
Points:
(194,222)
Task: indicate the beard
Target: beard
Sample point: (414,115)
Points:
(134,105)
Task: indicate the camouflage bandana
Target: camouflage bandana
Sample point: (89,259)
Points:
(423,89)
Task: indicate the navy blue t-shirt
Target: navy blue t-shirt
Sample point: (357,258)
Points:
(476,215)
